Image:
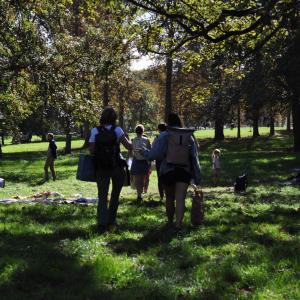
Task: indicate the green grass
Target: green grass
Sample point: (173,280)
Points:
(247,248)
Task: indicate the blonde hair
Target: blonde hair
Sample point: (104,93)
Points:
(51,135)
(216,151)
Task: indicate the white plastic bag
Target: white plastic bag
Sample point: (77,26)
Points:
(2,183)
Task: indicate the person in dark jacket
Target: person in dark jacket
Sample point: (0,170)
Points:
(51,156)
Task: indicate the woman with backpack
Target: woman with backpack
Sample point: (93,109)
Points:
(177,150)
(105,146)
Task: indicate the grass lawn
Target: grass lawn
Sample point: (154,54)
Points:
(247,248)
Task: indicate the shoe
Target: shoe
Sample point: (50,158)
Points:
(139,199)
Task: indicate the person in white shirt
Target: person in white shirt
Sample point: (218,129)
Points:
(216,166)
(140,166)
(105,146)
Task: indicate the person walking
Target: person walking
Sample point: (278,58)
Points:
(177,150)
(51,157)
(140,166)
(105,146)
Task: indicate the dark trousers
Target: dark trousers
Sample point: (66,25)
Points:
(107,214)
(159,181)
(49,164)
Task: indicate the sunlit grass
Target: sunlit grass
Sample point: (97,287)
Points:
(247,248)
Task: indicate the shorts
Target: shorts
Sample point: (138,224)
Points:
(176,175)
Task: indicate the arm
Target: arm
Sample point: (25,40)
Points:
(92,147)
(158,150)
(125,142)
(195,163)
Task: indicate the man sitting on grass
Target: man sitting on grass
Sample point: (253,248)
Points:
(51,156)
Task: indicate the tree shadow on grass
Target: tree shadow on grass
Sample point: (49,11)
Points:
(37,265)
(151,238)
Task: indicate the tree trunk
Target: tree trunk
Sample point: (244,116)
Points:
(296,121)
(219,129)
(121,108)
(86,134)
(68,148)
(255,124)
(44,137)
(288,121)
(2,139)
(76,17)
(105,91)
(141,115)
(239,122)
(272,126)
(168,95)
(0,151)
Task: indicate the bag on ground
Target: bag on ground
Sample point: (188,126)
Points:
(241,183)
(2,183)
(197,211)
(86,168)
(179,143)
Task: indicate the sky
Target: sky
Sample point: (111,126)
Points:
(142,63)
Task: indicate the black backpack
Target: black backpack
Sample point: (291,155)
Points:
(107,148)
(241,183)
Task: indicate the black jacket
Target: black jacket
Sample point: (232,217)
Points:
(53,148)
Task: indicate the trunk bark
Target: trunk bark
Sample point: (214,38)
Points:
(68,148)
(219,129)
(296,121)
(272,126)
(239,122)
(288,121)
(255,124)
(168,95)
(44,137)
(105,91)
(141,115)
(86,134)
(122,108)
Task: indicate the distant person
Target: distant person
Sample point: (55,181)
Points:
(177,151)
(162,127)
(105,146)
(51,157)
(140,167)
(216,166)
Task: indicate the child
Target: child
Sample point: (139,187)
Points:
(216,166)
(51,156)
(140,166)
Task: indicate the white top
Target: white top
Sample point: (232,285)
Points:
(139,143)
(216,162)
(118,130)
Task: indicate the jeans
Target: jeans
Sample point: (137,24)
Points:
(107,215)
